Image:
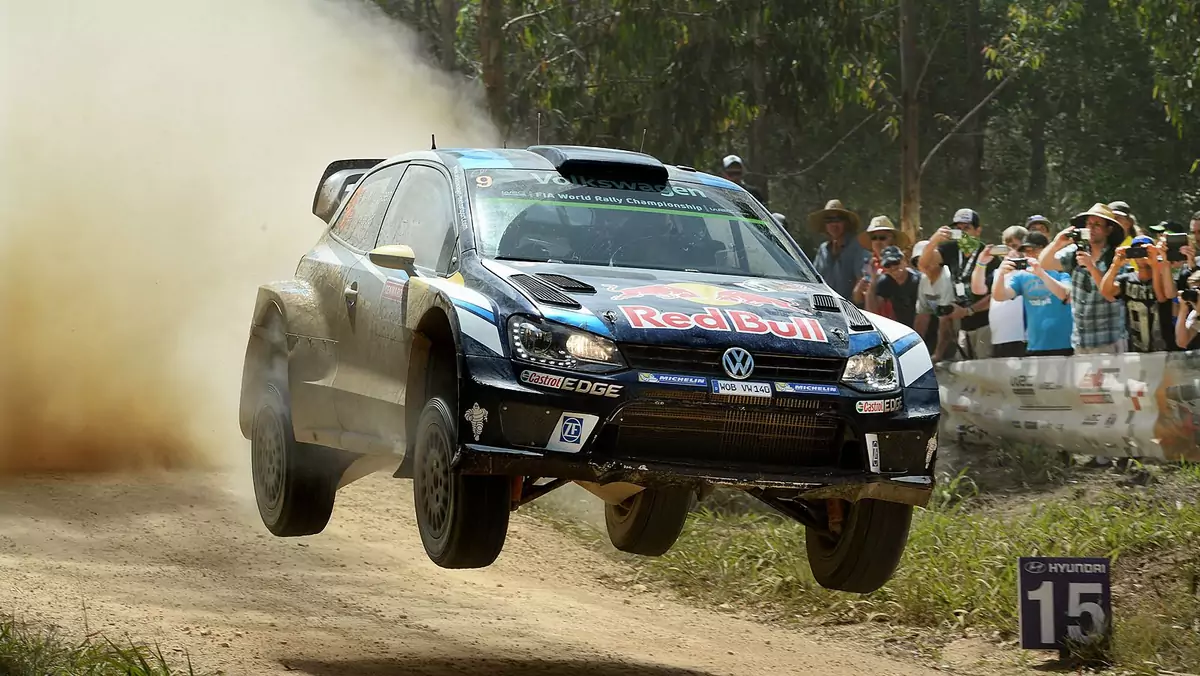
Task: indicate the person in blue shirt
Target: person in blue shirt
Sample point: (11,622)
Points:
(1046,296)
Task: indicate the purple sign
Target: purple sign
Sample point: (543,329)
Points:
(1064,601)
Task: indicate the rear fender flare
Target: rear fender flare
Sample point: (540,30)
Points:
(285,313)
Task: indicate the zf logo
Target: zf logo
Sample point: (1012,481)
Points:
(572,430)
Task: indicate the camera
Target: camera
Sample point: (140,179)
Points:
(999,250)
(955,234)
(1137,251)
(1188,295)
(943,310)
(1021,264)
(1079,235)
(1175,242)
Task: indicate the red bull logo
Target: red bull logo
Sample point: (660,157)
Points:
(703,294)
(715,319)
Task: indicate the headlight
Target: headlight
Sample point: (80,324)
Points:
(538,341)
(871,371)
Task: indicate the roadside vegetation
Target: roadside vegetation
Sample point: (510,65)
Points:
(960,567)
(26,650)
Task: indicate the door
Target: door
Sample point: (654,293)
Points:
(421,215)
(330,270)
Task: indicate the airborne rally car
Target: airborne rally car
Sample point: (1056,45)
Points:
(496,323)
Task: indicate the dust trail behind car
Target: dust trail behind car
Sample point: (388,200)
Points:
(158,162)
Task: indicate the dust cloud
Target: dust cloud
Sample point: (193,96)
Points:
(157,163)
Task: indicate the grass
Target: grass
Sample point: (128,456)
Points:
(960,567)
(26,650)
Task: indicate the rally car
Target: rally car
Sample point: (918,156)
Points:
(495,323)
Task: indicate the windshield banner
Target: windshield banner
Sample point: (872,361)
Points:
(1128,405)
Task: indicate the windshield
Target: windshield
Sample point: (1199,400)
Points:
(522,214)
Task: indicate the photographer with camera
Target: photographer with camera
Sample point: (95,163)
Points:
(1142,289)
(1006,317)
(935,302)
(1085,251)
(958,247)
(1177,243)
(1187,328)
(1046,297)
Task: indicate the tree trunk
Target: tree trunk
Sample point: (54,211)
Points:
(759,125)
(491,49)
(910,174)
(978,89)
(1037,154)
(449,26)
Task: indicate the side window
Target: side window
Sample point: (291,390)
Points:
(359,222)
(422,216)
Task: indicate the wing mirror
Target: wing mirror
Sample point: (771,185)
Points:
(394,257)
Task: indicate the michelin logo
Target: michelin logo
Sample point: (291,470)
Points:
(671,379)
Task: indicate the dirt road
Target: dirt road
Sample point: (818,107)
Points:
(183,560)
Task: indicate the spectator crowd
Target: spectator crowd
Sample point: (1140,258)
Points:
(1102,284)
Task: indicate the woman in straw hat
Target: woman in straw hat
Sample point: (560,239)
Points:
(1099,323)
(840,258)
(879,235)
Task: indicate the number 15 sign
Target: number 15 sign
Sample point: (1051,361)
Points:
(1064,601)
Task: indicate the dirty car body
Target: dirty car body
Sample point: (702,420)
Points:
(565,313)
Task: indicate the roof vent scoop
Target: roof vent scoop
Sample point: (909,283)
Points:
(543,292)
(588,161)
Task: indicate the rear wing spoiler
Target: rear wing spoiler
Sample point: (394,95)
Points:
(336,183)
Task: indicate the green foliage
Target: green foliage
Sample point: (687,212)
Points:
(28,651)
(1102,96)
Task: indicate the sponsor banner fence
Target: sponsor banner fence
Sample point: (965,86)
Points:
(1127,405)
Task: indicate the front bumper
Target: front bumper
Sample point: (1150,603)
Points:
(541,422)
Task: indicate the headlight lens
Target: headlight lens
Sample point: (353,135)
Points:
(539,341)
(873,370)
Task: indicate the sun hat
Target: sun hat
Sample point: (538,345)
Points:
(816,220)
(882,224)
(1098,209)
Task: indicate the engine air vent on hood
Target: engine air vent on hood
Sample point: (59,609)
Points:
(567,283)
(543,292)
(824,302)
(857,320)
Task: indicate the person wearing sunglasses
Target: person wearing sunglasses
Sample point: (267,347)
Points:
(879,235)
(894,291)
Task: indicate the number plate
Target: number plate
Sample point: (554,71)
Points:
(1064,600)
(741,388)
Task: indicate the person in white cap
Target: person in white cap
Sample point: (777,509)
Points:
(735,170)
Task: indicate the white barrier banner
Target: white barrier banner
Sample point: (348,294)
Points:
(1128,405)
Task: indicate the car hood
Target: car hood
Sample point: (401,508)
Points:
(667,307)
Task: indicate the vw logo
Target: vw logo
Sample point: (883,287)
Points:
(1035,567)
(738,363)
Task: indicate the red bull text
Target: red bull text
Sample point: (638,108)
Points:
(715,319)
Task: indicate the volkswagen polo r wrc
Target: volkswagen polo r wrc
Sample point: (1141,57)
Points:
(494,324)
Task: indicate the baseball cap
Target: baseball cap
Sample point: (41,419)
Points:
(1141,240)
(966,216)
(1036,219)
(1035,239)
(919,248)
(731,160)
(891,254)
(1166,226)
(1120,208)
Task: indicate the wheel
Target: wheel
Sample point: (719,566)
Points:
(463,519)
(649,522)
(294,483)
(866,552)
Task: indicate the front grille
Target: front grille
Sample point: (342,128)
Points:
(724,435)
(707,361)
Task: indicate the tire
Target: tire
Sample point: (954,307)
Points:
(649,522)
(294,483)
(868,550)
(463,519)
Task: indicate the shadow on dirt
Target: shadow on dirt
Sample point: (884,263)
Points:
(416,665)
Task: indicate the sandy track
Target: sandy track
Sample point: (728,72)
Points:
(183,560)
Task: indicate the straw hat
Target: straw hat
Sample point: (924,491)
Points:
(883,224)
(816,220)
(1098,209)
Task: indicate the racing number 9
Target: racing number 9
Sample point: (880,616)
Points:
(483,181)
